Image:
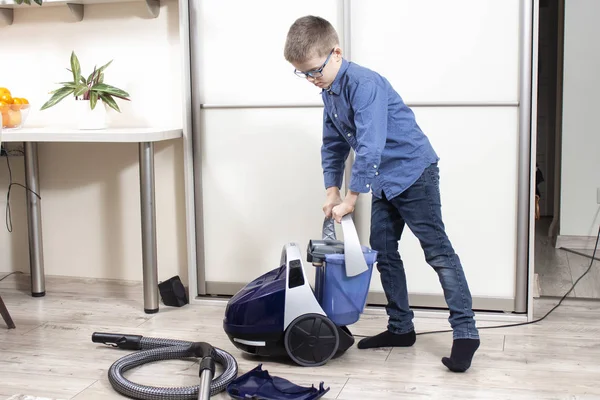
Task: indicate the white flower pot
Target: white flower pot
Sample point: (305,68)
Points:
(90,119)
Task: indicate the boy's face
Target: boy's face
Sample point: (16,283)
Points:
(321,71)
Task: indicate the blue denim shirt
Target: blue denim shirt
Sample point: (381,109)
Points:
(364,112)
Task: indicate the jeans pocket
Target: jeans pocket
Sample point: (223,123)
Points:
(433,173)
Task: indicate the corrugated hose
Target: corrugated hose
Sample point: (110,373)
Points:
(157,349)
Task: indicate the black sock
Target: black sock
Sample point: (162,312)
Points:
(388,339)
(461,355)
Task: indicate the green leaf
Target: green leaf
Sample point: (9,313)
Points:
(102,68)
(84,81)
(69,85)
(101,78)
(93,99)
(98,73)
(56,97)
(113,91)
(75,67)
(107,98)
(39,2)
(80,90)
(92,76)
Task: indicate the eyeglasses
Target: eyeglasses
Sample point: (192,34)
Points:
(315,73)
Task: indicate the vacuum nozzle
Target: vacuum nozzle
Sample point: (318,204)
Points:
(122,341)
(318,249)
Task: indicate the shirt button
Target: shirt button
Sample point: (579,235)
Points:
(376,173)
(349,134)
(368,185)
(335,115)
(374,166)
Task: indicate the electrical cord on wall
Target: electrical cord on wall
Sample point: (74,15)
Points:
(593,258)
(10,184)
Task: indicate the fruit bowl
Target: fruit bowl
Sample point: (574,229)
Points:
(14,115)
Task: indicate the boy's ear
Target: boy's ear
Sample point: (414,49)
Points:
(338,53)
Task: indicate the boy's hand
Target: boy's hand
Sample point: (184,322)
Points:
(333,199)
(342,209)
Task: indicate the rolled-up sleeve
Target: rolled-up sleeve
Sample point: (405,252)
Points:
(369,102)
(334,152)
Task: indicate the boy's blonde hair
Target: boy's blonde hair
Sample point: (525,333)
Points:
(309,37)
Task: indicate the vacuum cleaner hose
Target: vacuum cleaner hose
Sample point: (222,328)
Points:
(157,349)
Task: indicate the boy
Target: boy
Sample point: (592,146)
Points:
(396,162)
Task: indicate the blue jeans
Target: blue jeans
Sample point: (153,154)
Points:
(419,207)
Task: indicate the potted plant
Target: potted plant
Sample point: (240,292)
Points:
(91,95)
(28,2)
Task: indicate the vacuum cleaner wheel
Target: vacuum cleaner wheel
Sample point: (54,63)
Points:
(311,340)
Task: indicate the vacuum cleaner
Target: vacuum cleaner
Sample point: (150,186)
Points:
(279,314)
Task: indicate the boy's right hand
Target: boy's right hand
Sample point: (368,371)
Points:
(332,200)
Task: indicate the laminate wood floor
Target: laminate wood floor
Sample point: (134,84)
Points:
(50,354)
(558,269)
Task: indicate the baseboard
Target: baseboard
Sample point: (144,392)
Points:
(497,304)
(437,301)
(575,242)
(536,286)
(481,316)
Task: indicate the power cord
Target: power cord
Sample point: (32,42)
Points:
(7,275)
(593,258)
(10,184)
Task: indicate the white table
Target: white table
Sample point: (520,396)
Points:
(146,138)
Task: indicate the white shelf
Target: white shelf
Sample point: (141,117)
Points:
(111,135)
(77,7)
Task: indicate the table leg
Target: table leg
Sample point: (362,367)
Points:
(34,221)
(6,315)
(149,258)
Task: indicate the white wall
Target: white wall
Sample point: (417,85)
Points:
(465,51)
(90,192)
(579,213)
(432,51)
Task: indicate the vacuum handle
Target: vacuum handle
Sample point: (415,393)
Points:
(353,254)
(206,353)
(207,372)
(206,378)
(122,341)
(329,229)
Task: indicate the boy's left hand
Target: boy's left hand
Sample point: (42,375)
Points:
(340,210)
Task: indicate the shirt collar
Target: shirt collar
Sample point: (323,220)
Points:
(336,86)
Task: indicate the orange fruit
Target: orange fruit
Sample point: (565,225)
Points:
(24,100)
(5,90)
(4,113)
(6,97)
(13,119)
(16,105)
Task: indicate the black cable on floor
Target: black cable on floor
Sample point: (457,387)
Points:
(580,254)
